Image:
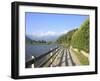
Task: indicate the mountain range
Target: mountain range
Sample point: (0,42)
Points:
(46,38)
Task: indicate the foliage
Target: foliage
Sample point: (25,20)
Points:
(83,60)
(66,38)
(77,38)
(80,38)
(30,41)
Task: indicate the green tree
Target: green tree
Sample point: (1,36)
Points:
(80,38)
(66,38)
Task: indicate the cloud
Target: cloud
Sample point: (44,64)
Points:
(64,32)
(48,33)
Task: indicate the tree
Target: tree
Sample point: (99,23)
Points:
(80,38)
(66,38)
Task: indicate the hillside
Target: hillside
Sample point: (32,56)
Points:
(80,38)
(77,38)
(66,38)
(31,41)
(28,40)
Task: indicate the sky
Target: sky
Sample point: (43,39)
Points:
(47,24)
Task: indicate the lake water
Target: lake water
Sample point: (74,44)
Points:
(37,50)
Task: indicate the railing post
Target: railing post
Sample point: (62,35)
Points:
(51,58)
(56,49)
(32,64)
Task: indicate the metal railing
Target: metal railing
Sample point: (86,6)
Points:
(44,60)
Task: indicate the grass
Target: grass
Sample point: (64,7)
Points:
(83,60)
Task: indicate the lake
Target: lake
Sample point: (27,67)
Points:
(37,50)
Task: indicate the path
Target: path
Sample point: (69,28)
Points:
(65,58)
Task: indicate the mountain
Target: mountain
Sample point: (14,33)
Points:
(28,40)
(46,38)
(66,38)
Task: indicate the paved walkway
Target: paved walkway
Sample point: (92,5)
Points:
(63,62)
(57,59)
(65,57)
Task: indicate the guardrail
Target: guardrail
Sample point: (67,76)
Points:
(43,60)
